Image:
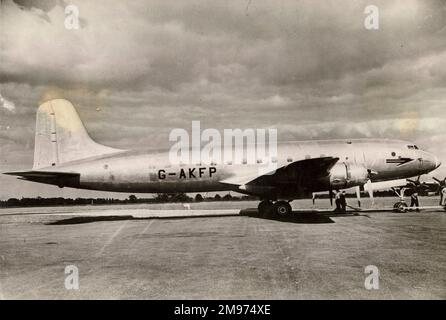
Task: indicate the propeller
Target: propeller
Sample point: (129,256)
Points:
(416,184)
(330,193)
(370,191)
(358,195)
(369,185)
(441,183)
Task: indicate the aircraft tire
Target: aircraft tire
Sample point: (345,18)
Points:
(400,207)
(282,208)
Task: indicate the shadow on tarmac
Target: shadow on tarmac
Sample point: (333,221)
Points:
(90,219)
(301,217)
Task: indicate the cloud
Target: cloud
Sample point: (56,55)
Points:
(150,44)
(8,105)
(43,5)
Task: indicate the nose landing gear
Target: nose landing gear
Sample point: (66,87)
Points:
(400,206)
(280,208)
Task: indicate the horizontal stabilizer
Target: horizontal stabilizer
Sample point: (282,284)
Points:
(61,179)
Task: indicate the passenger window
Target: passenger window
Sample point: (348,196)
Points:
(393,154)
(289,159)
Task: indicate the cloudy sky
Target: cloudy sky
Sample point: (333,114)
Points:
(137,69)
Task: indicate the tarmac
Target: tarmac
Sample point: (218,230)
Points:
(222,251)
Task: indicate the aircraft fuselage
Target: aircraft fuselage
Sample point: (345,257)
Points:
(151,172)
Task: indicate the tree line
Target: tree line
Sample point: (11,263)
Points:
(132,199)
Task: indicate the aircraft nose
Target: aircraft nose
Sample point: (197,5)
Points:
(437,162)
(430,161)
(433,162)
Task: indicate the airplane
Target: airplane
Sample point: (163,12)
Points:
(66,156)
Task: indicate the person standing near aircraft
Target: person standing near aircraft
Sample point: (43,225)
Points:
(338,201)
(414,200)
(443,197)
(343,202)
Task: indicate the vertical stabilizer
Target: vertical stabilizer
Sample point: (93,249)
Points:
(61,137)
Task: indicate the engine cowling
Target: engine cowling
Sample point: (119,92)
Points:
(346,175)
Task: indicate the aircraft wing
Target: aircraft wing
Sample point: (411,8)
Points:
(401,183)
(385,185)
(291,173)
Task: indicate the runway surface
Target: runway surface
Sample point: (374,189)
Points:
(217,251)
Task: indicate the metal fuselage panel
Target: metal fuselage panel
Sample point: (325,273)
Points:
(152,172)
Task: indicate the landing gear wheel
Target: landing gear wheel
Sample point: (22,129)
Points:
(400,207)
(282,208)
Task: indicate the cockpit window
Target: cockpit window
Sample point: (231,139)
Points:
(412,147)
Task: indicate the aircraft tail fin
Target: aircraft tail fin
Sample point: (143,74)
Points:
(61,136)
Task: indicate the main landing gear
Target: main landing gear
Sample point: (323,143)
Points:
(280,208)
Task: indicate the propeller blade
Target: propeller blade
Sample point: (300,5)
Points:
(358,195)
(440,182)
(370,190)
(330,193)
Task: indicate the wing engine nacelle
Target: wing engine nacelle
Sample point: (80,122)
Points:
(346,175)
